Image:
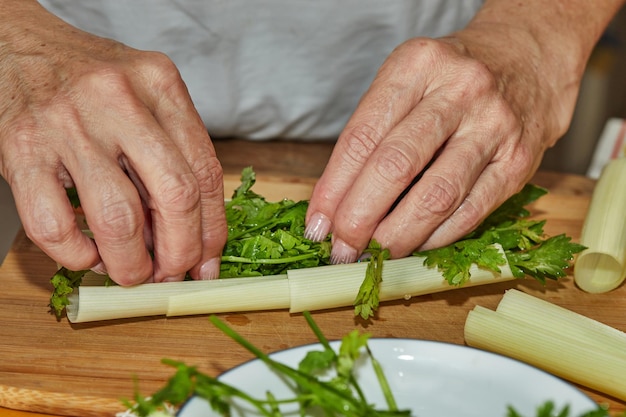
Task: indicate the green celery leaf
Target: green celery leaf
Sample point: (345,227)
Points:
(549,259)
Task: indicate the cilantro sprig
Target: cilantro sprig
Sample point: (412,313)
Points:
(367,300)
(64,282)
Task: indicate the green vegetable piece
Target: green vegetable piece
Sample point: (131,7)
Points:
(549,259)
(64,282)
(526,248)
(548,409)
(367,299)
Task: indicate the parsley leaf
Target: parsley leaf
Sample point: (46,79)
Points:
(526,248)
(267,238)
(64,282)
(548,259)
(367,299)
(324,383)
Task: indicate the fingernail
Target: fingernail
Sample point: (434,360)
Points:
(99,268)
(317,228)
(342,253)
(210,269)
(173,279)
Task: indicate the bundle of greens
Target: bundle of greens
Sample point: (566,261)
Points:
(267,238)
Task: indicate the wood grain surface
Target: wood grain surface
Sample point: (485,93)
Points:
(54,367)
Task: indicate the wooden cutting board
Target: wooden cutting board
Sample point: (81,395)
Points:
(54,367)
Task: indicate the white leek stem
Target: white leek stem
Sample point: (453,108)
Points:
(337,285)
(602,266)
(563,345)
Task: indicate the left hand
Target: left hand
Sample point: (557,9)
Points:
(479,107)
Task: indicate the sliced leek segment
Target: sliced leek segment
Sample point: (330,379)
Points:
(552,338)
(246,294)
(337,285)
(299,290)
(93,302)
(602,266)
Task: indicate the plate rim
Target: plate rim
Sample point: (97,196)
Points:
(334,342)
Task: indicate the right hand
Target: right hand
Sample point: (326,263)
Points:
(118,124)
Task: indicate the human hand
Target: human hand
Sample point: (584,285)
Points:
(119,125)
(474,112)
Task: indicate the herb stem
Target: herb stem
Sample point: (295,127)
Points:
(268,261)
(382,380)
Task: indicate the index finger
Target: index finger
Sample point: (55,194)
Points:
(382,107)
(179,119)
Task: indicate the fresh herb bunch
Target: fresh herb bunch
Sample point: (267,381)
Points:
(267,238)
(264,238)
(336,395)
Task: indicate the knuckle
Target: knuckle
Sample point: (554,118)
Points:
(178,193)
(103,80)
(503,117)
(161,72)
(470,215)
(360,142)
(420,51)
(49,231)
(474,80)
(524,159)
(432,119)
(438,201)
(395,165)
(209,175)
(158,63)
(116,221)
(476,74)
(518,157)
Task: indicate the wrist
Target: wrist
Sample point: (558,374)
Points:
(539,51)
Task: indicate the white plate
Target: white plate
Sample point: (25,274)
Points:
(430,378)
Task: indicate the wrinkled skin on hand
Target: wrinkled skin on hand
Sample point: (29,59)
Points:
(119,125)
(475,111)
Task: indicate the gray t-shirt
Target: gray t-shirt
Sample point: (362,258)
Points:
(270,68)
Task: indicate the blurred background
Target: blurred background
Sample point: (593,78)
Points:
(602,96)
